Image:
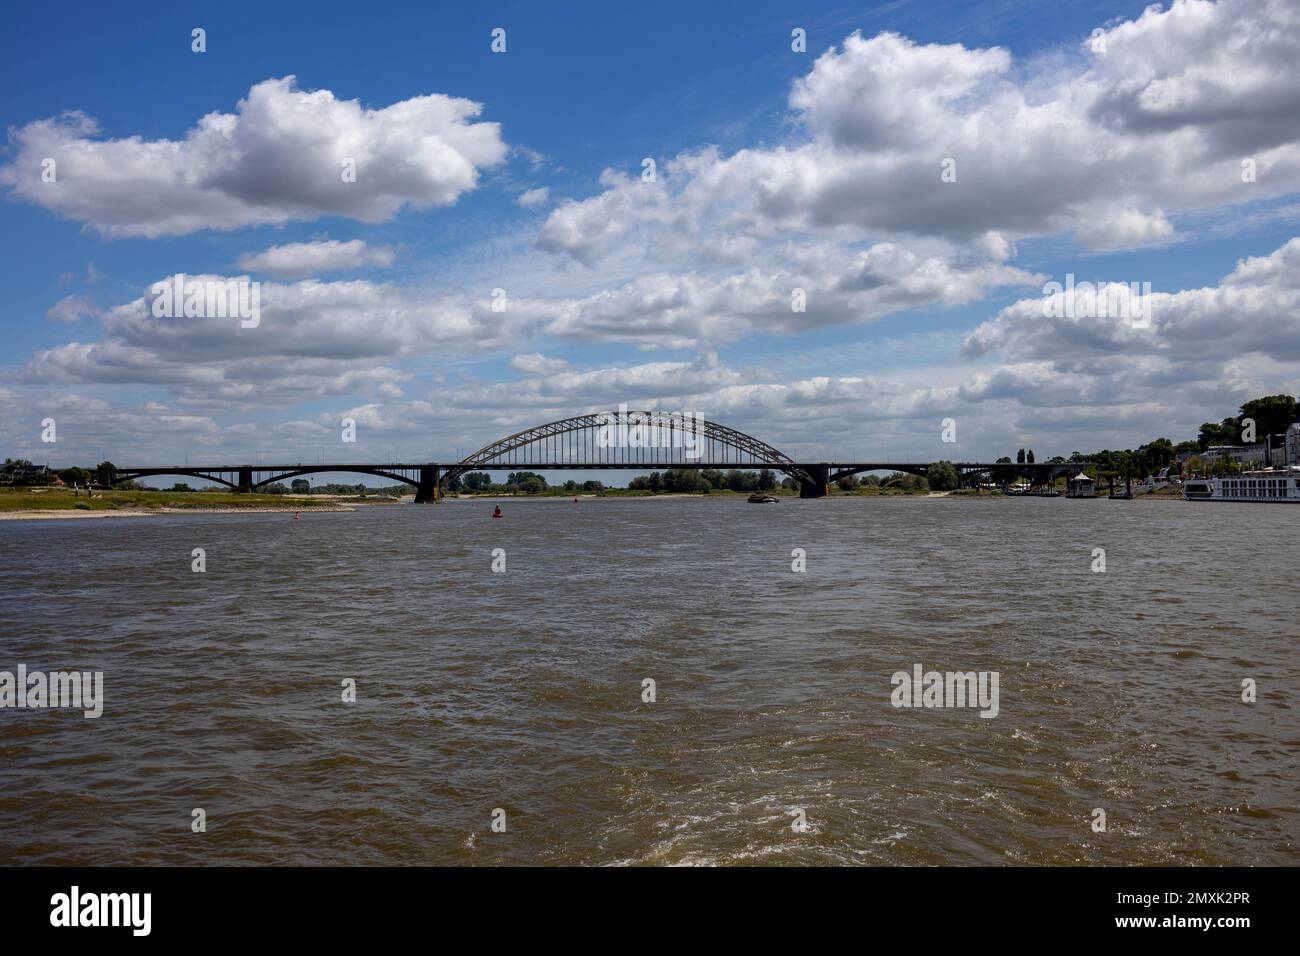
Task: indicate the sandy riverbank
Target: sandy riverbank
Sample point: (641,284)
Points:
(150,512)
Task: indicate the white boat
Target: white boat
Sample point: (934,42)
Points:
(1277,485)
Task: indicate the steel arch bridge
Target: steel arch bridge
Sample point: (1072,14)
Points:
(630,439)
(639,440)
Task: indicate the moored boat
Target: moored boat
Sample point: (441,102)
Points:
(1277,485)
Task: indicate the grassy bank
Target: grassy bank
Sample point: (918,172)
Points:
(60,499)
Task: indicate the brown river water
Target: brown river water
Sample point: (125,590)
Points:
(522,691)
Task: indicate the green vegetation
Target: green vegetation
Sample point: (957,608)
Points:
(300,486)
(942,476)
(895,483)
(1271,415)
(695,481)
(61,499)
(517,483)
(704,481)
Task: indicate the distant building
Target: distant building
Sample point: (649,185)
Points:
(24,473)
(1292,444)
(1080,486)
(1249,456)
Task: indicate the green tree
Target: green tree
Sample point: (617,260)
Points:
(685,481)
(74,476)
(1159,453)
(106,474)
(766,480)
(942,476)
(1272,414)
(1224,433)
(904,481)
(521,478)
(737,480)
(300,486)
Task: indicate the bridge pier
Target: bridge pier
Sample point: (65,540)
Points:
(821,486)
(245,480)
(427,492)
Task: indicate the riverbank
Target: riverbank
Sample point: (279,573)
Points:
(152,512)
(39,504)
(63,503)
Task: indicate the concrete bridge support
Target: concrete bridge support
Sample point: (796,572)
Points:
(821,486)
(427,492)
(245,480)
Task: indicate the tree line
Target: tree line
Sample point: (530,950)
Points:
(1256,419)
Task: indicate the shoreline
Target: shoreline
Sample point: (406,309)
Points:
(72,513)
(63,513)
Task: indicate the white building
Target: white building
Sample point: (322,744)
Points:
(1248,456)
(1080,486)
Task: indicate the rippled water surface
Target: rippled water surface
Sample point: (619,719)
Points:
(523,690)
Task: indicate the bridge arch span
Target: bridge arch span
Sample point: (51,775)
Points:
(922,470)
(335,469)
(647,438)
(251,477)
(216,476)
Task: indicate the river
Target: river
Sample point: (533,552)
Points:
(771,739)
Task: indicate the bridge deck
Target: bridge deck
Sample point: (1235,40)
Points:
(585,466)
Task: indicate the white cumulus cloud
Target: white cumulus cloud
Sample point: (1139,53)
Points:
(279,157)
(296,260)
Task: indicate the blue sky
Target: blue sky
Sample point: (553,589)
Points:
(924,304)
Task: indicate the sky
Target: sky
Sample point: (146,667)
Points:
(836,248)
